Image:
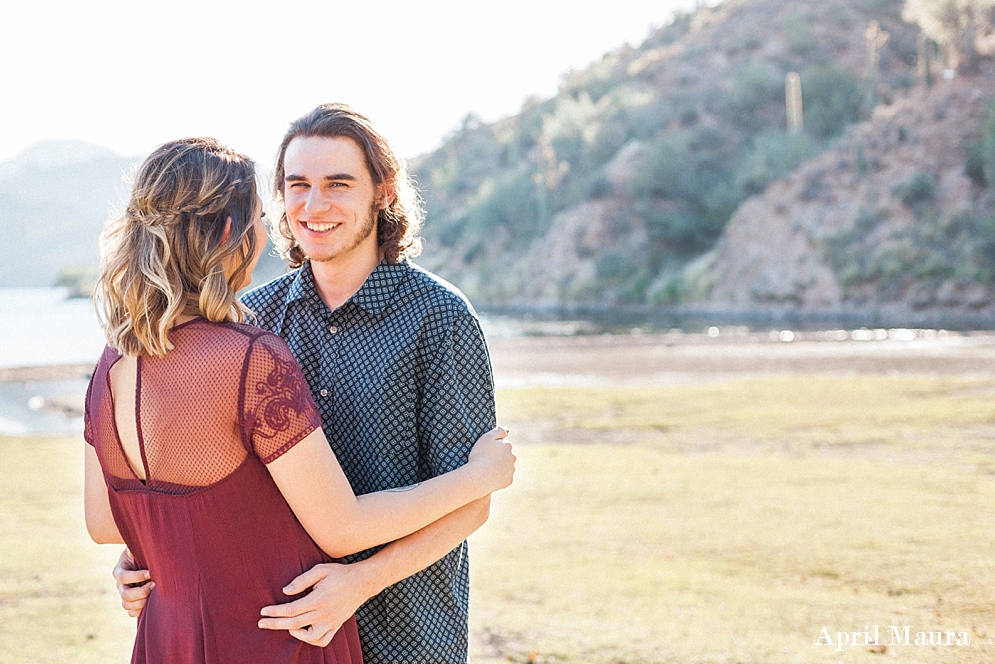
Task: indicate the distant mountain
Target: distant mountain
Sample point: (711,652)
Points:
(55,197)
(654,176)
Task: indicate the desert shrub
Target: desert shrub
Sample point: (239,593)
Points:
(797,33)
(647,120)
(510,202)
(841,15)
(974,167)
(919,188)
(613,267)
(579,186)
(773,153)
(980,165)
(832,98)
(685,191)
(685,165)
(673,292)
(844,252)
(756,91)
(983,253)
(666,173)
(679,26)
(611,135)
(677,231)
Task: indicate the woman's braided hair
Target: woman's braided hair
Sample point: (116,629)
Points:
(399,223)
(168,253)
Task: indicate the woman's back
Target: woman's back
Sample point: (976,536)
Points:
(197,506)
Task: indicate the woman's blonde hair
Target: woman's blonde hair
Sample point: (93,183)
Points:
(167,254)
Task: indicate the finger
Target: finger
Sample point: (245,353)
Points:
(304,635)
(304,581)
(296,622)
(291,609)
(501,432)
(136,593)
(319,635)
(127,576)
(134,613)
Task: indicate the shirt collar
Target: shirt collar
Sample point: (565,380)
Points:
(302,286)
(379,288)
(373,296)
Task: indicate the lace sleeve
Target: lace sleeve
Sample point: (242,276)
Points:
(87,424)
(98,378)
(277,409)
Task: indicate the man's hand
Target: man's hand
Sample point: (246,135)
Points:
(133,585)
(336,592)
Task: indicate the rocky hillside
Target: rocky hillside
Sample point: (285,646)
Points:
(664,175)
(889,219)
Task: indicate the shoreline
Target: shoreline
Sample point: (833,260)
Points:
(729,350)
(45,372)
(45,398)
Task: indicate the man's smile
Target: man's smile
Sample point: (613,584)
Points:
(316,227)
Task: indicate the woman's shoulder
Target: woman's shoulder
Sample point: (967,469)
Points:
(258,337)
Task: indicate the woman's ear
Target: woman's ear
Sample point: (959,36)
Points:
(224,236)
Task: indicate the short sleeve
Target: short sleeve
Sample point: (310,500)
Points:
(87,422)
(277,410)
(457,404)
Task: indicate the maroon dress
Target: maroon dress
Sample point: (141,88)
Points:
(208,522)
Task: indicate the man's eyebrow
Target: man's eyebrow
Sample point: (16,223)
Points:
(293,177)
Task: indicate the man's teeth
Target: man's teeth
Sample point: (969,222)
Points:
(320,228)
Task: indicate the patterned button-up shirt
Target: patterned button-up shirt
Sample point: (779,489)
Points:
(402,378)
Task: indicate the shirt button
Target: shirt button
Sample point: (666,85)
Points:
(333,329)
(324,393)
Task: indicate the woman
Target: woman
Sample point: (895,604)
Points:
(206,452)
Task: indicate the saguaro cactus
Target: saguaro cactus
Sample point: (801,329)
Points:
(876,39)
(924,51)
(793,99)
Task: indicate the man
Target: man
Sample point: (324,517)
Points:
(398,366)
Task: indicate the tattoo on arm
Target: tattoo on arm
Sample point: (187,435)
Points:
(405,488)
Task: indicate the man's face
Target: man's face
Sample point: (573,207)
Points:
(330,197)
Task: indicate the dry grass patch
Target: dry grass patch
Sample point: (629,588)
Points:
(57,598)
(741,517)
(661,551)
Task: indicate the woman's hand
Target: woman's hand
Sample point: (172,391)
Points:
(494,460)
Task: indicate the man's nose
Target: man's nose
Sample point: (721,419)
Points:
(316,201)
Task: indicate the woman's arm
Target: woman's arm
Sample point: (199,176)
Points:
(310,478)
(96,506)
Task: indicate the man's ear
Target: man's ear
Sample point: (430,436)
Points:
(387,195)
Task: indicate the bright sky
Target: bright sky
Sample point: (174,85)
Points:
(130,74)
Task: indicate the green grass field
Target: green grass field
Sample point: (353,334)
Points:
(720,522)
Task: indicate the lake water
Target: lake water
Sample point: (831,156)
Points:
(41,326)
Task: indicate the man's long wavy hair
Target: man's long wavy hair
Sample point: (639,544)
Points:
(168,253)
(397,224)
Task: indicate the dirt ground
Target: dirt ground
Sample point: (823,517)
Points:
(679,358)
(689,358)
